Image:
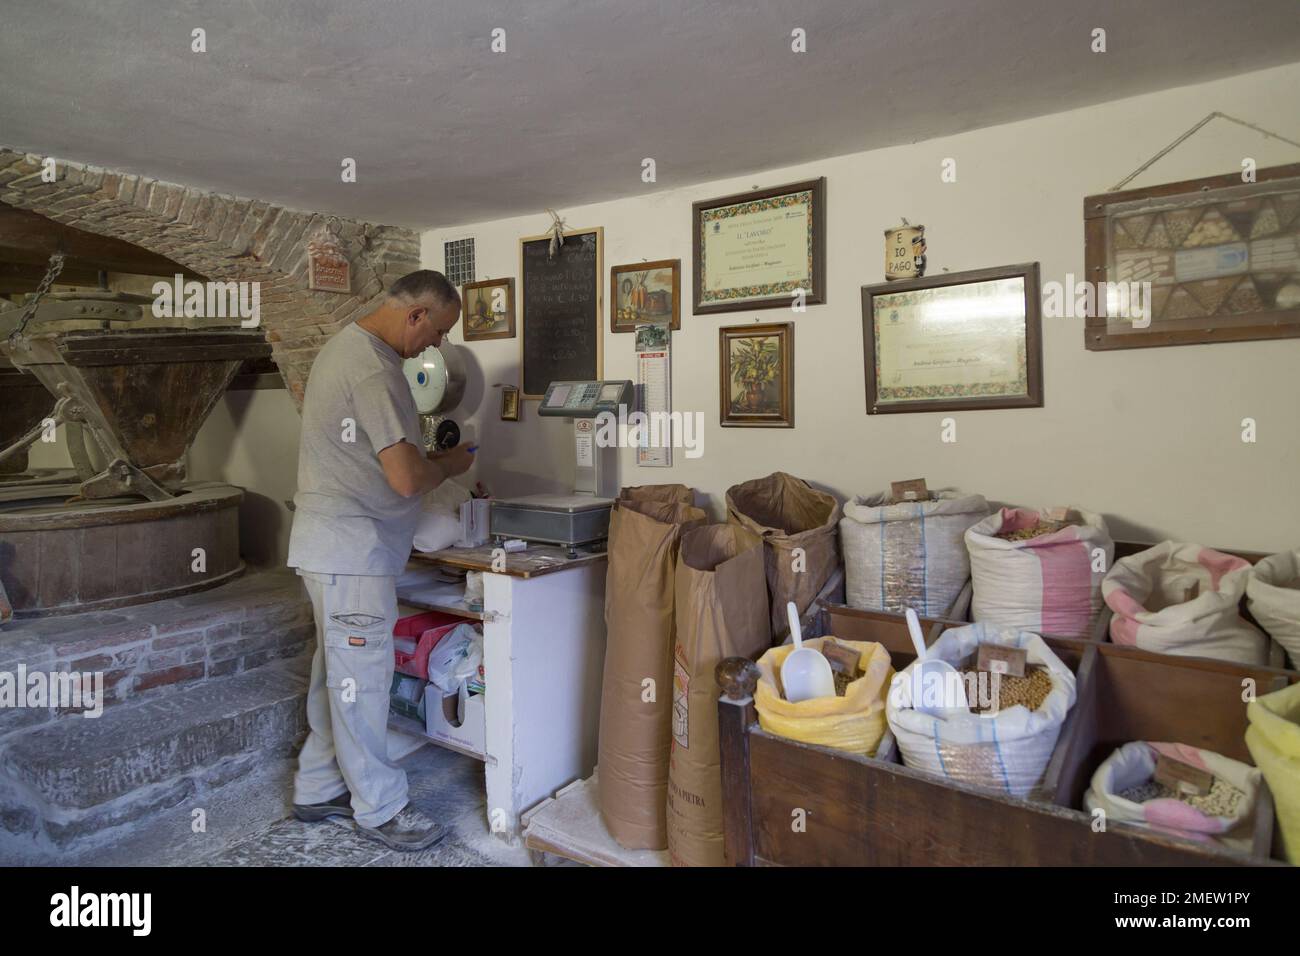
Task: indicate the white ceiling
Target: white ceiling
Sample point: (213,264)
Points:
(446,132)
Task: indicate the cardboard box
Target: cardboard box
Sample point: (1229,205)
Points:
(457,720)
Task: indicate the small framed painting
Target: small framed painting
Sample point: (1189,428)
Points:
(509,403)
(757,375)
(645,293)
(489,308)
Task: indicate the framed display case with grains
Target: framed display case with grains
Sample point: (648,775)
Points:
(756,375)
(1212,260)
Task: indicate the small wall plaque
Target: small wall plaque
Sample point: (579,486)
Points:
(905,252)
(328,269)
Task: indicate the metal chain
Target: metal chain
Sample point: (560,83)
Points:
(51,273)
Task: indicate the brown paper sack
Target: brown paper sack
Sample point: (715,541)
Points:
(634,731)
(681,493)
(789,514)
(721,612)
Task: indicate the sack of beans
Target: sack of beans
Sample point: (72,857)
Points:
(1005,735)
(852,720)
(908,554)
(797,524)
(1039,571)
(1273,596)
(1183,599)
(1273,739)
(1125,789)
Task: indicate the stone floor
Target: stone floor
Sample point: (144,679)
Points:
(249,823)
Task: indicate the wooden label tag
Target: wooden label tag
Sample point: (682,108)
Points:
(1193,592)
(1061,515)
(843,659)
(911,490)
(1001,659)
(1182,777)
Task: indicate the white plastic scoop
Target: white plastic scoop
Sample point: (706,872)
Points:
(806,673)
(937,686)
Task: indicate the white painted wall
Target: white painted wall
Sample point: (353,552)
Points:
(251,440)
(1150,437)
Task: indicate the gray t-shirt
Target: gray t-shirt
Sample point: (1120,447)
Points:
(347,518)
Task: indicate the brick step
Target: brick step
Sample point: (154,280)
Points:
(156,649)
(78,776)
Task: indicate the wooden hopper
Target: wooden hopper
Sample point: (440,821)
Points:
(141,394)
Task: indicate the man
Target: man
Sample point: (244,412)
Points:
(361,474)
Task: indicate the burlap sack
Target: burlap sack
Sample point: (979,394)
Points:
(639,620)
(788,514)
(682,493)
(721,601)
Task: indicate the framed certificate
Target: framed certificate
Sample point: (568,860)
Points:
(756,250)
(957,341)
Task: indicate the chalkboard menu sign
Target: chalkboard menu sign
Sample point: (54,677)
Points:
(560,309)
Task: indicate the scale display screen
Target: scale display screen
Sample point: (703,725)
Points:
(585,399)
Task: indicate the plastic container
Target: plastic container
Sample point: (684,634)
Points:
(418,628)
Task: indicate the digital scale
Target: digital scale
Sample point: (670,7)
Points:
(582,517)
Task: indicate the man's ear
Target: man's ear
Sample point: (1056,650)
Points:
(415,315)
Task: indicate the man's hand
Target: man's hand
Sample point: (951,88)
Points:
(453,461)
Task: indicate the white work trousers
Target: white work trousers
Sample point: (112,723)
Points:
(347,702)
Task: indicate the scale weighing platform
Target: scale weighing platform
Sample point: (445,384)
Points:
(580,518)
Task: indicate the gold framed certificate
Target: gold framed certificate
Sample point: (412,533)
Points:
(761,250)
(957,341)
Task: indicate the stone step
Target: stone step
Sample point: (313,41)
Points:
(77,776)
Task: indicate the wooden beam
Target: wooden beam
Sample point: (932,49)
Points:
(17,277)
(29,239)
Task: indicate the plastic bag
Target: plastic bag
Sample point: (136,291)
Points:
(1008,749)
(1183,599)
(854,722)
(1273,596)
(1133,764)
(1273,739)
(456,658)
(911,554)
(1046,585)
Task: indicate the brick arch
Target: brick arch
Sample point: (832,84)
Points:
(225,238)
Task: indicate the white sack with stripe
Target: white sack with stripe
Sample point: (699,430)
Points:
(1006,750)
(1183,599)
(1273,596)
(911,554)
(1048,585)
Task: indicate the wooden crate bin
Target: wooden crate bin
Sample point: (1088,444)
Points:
(788,803)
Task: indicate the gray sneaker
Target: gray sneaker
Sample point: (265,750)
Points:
(409,830)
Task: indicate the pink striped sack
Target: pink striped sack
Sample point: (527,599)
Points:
(1050,585)
(1183,599)
(1133,765)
